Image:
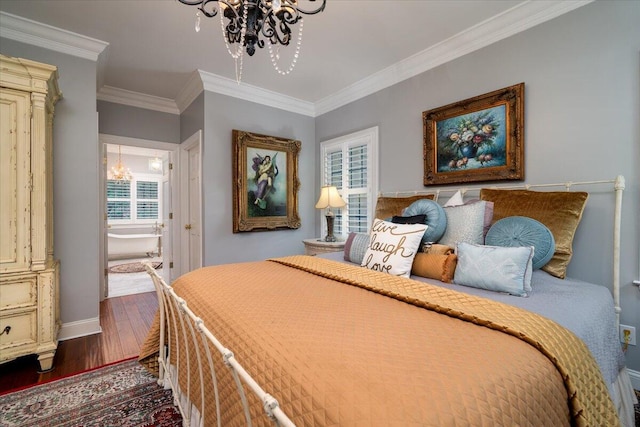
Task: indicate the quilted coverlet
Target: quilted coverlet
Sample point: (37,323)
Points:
(342,345)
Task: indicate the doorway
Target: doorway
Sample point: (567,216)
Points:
(137,196)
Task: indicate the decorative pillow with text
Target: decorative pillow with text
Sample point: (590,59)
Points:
(392,247)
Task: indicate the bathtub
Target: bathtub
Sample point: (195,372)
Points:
(132,245)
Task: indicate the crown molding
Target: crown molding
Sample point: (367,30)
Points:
(137,99)
(506,24)
(190,91)
(229,87)
(38,34)
(510,22)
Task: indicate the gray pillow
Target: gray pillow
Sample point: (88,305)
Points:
(465,223)
(355,247)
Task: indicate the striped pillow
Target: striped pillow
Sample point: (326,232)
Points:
(355,247)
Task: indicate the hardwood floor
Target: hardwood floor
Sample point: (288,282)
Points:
(125,321)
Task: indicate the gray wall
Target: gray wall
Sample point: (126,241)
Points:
(582,105)
(133,122)
(75,180)
(192,118)
(222,115)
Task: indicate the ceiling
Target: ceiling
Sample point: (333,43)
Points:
(353,47)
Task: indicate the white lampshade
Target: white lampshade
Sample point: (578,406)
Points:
(330,198)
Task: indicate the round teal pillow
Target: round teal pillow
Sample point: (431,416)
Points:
(435,218)
(515,231)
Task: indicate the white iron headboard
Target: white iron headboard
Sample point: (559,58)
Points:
(618,188)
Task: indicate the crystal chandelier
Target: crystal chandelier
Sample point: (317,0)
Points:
(252,22)
(118,171)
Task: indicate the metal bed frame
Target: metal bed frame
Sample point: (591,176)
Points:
(179,326)
(185,328)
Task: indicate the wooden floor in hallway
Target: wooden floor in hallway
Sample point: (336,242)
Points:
(125,322)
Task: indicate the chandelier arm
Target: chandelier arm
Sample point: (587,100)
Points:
(284,18)
(310,12)
(209,14)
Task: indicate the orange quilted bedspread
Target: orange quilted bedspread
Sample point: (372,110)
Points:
(386,351)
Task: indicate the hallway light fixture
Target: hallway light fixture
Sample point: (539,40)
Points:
(119,172)
(250,22)
(155,164)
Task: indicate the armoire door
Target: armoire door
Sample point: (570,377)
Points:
(15,180)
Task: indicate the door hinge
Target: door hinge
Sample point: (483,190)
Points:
(106,271)
(170,215)
(105,217)
(171,264)
(170,166)
(104,160)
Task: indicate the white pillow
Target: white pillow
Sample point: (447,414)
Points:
(495,268)
(465,223)
(455,200)
(392,247)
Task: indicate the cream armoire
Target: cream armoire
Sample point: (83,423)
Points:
(29,274)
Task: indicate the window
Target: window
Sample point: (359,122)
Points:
(351,164)
(134,202)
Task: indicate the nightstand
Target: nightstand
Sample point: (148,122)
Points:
(319,246)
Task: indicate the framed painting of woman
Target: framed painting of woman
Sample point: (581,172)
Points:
(265,182)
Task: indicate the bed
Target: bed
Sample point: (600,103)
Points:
(322,340)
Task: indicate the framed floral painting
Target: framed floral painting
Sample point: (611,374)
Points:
(478,139)
(265,182)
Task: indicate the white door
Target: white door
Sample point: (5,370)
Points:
(167,217)
(194,230)
(191,202)
(105,227)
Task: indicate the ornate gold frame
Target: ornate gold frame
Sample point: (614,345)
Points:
(275,210)
(439,143)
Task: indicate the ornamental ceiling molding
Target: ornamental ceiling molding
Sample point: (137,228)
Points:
(499,27)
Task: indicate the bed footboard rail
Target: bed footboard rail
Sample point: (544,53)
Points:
(182,330)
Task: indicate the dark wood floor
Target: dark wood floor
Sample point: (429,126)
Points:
(124,321)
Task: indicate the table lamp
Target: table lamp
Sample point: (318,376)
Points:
(330,198)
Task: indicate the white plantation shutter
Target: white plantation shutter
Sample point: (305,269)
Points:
(137,201)
(350,164)
(147,199)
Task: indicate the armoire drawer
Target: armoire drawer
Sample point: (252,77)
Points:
(18,292)
(23,330)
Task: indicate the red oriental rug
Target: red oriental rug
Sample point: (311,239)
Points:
(122,394)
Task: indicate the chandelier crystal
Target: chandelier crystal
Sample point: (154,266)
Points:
(118,171)
(252,23)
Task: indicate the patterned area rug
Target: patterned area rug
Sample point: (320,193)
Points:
(637,407)
(132,267)
(122,394)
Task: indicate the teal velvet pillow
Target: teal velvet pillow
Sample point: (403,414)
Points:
(514,231)
(494,268)
(435,218)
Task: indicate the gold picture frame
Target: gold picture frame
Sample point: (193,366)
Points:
(478,139)
(265,182)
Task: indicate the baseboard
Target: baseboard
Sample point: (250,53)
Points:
(79,328)
(635,378)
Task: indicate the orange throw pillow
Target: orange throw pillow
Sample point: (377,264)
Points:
(435,266)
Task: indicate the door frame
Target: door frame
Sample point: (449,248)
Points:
(175,196)
(194,140)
